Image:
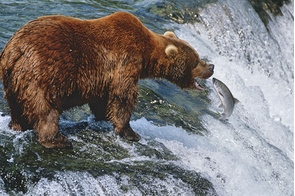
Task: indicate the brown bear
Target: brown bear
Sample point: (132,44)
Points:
(56,62)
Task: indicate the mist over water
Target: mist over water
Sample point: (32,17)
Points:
(186,149)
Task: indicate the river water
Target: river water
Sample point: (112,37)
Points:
(186,149)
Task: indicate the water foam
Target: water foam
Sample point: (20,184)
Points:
(83,183)
(235,160)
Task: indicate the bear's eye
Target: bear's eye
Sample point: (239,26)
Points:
(196,64)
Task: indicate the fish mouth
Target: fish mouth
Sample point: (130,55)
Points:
(214,81)
(197,84)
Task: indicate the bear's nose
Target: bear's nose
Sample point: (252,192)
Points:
(211,67)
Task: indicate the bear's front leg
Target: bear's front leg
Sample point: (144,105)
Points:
(119,110)
(48,132)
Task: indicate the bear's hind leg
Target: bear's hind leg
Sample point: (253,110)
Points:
(15,125)
(18,121)
(48,132)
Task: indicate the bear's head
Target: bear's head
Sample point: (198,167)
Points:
(185,66)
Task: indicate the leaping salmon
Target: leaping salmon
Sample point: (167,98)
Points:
(227,100)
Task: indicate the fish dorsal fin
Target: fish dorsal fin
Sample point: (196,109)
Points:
(236,101)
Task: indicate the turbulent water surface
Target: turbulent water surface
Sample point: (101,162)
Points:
(186,148)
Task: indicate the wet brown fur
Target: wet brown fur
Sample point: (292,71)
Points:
(56,62)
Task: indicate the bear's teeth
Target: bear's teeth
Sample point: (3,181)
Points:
(198,86)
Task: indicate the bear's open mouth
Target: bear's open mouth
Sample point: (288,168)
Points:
(198,85)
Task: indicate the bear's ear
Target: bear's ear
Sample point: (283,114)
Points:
(170,34)
(171,50)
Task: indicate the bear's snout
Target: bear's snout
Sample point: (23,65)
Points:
(203,70)
(208,71)
(211,68)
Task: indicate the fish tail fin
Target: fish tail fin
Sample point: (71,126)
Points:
(223,117)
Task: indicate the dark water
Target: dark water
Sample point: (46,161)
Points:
(185,149)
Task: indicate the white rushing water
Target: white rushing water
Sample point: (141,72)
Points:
(251,153)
